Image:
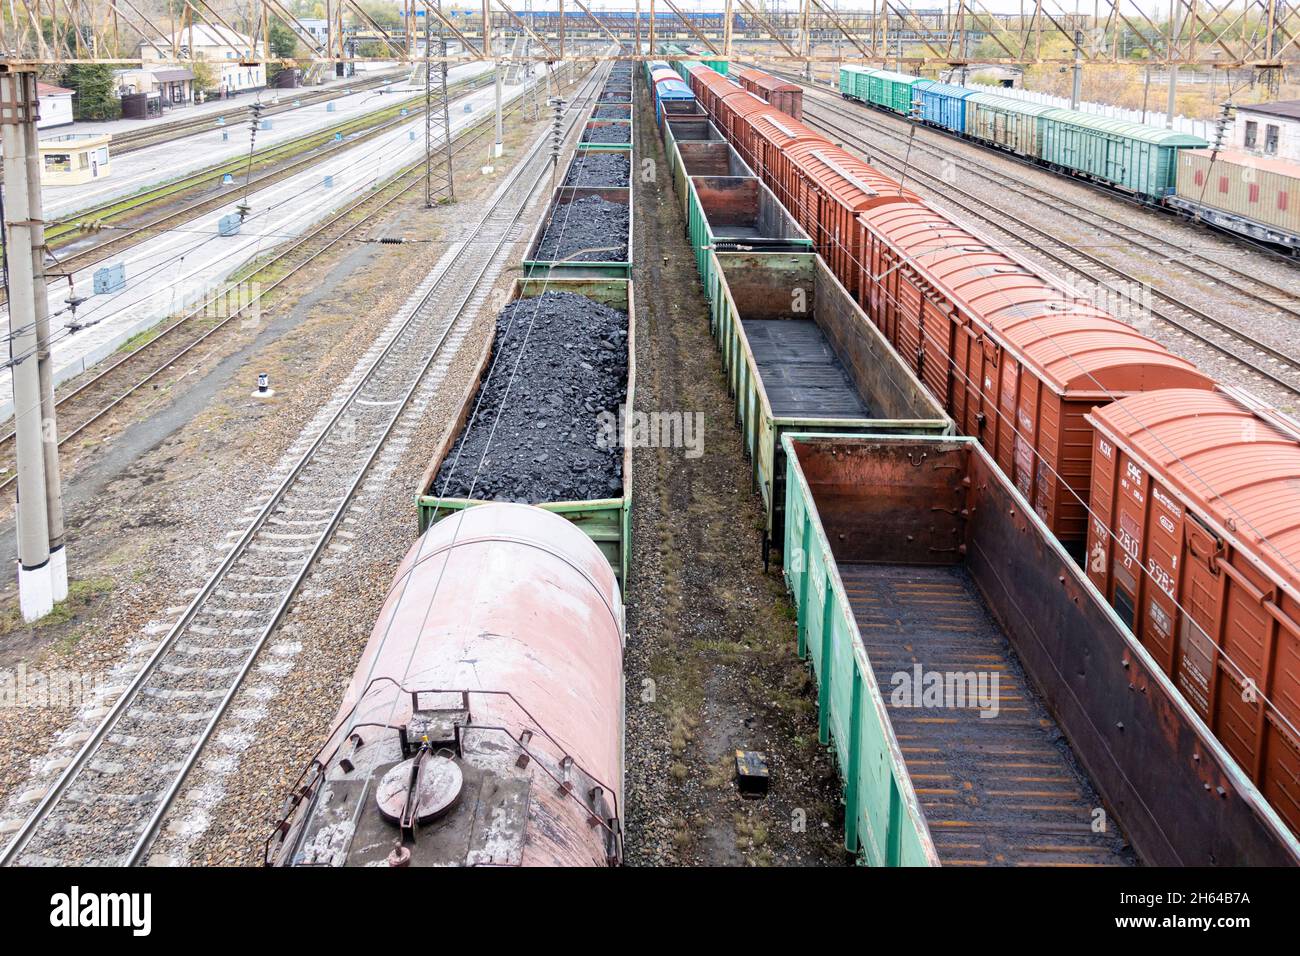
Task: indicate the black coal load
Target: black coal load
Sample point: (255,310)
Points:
(611,112)
(552,440)
(589,229)
(591,168)
(608,133)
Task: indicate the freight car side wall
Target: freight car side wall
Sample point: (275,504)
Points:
(1180,797)
(1226,634)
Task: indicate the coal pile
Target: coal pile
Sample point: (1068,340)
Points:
(590,229)
(608,133)
(547,444)
(599,169)
(616,97)
(611,112)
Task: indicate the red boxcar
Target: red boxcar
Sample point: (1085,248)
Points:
(825,188)
(766,136)
(1015,358)
(710,88)
(738,115)
(1195,541)
(782,94)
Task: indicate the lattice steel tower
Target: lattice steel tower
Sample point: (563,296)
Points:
(438,181)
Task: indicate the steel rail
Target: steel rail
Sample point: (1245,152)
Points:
(78,763)
(462,140)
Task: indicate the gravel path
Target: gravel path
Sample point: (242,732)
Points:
(711,663)
(599,168)
(588,229)
(559,363)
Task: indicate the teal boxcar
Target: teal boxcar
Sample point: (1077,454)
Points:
(1140,159)
(853,82)
(890,90)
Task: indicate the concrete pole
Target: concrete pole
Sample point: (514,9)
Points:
(1175,29)
(1076,91)
(17,111)
(45,372)
(499,147)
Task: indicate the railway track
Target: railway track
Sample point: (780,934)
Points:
(1275,365)
(1110,192)
(98,396)
(108,803)
(125,237)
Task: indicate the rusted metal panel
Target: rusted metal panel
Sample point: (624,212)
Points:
(1196,545)
(1176,793)
(799,354)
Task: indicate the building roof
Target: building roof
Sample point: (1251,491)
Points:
(1287,109)
(172,76)
(48,89)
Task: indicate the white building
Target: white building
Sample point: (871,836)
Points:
(232,55)
(1269,129)
(55,106)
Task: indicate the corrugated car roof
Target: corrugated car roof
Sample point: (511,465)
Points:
(1010,103)
(894,77)
(947,89)
(1106,124)
(1074,346)
(1226,461)
(848,179)
(860,69)
(772,84)
(779,128)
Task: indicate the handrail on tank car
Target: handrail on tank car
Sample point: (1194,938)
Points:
(319,764)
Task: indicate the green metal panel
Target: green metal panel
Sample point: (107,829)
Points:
(891,90)
(897,388)
(853,81)
(718,66)
(607,521)
(1142,159)
(883,820)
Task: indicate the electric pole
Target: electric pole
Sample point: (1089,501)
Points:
(1175,32)
(1076,89)
(42,562)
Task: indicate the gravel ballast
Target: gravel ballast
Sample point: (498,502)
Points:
(607,133)
(549,429)
(589,229)
(598,169)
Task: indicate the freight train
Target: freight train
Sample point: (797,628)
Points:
(1255,197)
(1024,366)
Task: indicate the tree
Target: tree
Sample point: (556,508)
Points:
(96,93)
(284,42)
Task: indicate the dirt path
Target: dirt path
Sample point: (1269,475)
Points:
(711,664)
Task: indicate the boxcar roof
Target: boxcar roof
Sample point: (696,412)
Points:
(1107,124)
(1234,157)
(893,77)
(1226,461)
(851,181)
(946,89)
(1075,347)
(781,128)
(1010,103)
